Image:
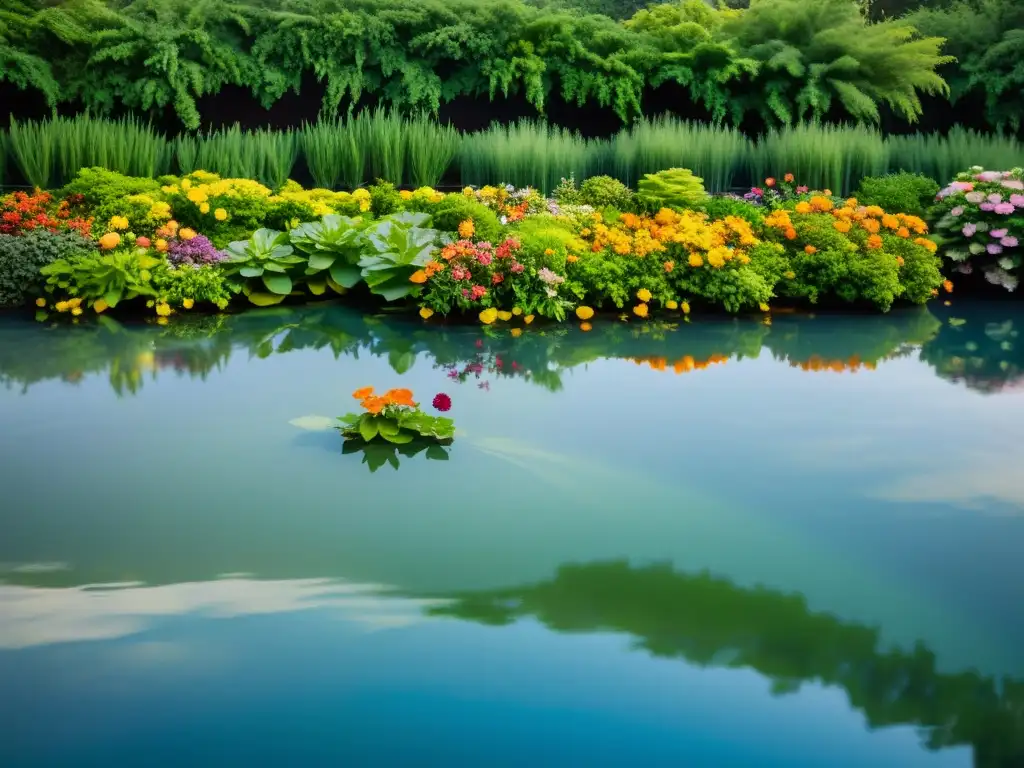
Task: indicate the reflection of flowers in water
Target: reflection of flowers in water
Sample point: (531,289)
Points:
(482,363)
(816,363)
(684,364)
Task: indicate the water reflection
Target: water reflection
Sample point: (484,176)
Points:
(712,622)
(971,343)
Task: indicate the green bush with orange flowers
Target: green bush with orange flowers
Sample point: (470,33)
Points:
(853,253)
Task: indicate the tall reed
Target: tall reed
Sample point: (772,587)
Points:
(942,157)
(319,142)
(821,156)
(381,136)
(716,154)
(278,151)
(430,149)
(34,146)
(528,153)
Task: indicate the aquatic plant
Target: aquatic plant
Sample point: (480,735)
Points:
(394,417)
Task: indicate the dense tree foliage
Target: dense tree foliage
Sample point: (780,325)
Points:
(780,59)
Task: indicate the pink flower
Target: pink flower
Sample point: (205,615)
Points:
(1009,241)
(969,229)
(460,273)
(484,258)
(989,176)
(801,190)
(957,211)
(974,197)
(1004,209)
(497,279)
(516,268)
(478,292)
(994,249)
(1013,184)
(988,206)
(997,233)
(994,198)
(1017,201)
(442,402)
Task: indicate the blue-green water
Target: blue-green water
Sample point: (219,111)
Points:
(718,544)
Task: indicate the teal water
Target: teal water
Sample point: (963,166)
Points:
(712,544)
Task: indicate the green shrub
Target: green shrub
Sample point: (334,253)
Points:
(454,209)
(384,198)
(98,186)
(720,207)
(567,193)
(604,191)
(674,188)
(22,256)
(909,193)
(202,285)
(546,241)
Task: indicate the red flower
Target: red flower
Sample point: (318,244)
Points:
(442,402)
(497,278)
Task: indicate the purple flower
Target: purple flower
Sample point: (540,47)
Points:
(197,250)
(1009,241)
(997,233)
(994,249)
(988,206)
(957,211)
(989,176)
(995,197)
(969,229)
(1004,209)
(974,197)
(1017,201)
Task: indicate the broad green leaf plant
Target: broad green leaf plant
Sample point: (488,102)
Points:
(393,418)
(265,267)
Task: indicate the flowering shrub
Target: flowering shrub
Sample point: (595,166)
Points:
(669,256)
(477,275)
(395,418)
(23,212)
(776,193)
(509,203)
(981,223)
(854,252)
(196,250)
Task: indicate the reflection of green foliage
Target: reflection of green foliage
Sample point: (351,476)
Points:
(377,454)
(710,621)
(980,348)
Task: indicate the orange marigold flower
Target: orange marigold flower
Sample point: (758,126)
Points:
(640,310)
(789,177)
(820,203)
(669,266)
(466,229)
(875,241)
(851,202)
(810,250)
(791,234)
(924,242)
(696,260)
(449,252)
(890,222)
(359,394)
(874,210)
(399,397)
(871,225)
(419,276)
(572,258)
(769,182)
(947,285)
(899,261)
(841,226)
(903,232)
(373,404)
(433,267)
(803,207)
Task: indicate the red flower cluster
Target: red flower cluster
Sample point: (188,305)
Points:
(442,402)
(20,212)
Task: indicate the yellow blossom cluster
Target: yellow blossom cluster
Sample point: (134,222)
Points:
(715,242)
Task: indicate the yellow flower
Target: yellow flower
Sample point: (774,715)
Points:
(186,234)
(110,240)
(188,303)
(197,196)
(466,229)
(584,313)
(685,306)
(75,302)
(488,316)
(405,194)
(585,327)
(220,214)
(161,321)
(419,276)
(517,311)
(803,207)
(572,258)
(426,313)
(790,275)
(517,332)
(504,316)
(467,191)
(100,305)
(361,194)
(528,319)
(640,310)
(40,302)
(672,304)
(118,222)
(61,306)
(163,309)
(204,207)
(161,244)
(549,252)
(763,307)
(696,260)
(185,184)
(76,311)
(644,295)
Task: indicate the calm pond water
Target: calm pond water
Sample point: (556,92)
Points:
(717,544)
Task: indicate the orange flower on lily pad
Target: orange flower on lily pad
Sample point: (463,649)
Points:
(359,394)
(373,404)
(399,397)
